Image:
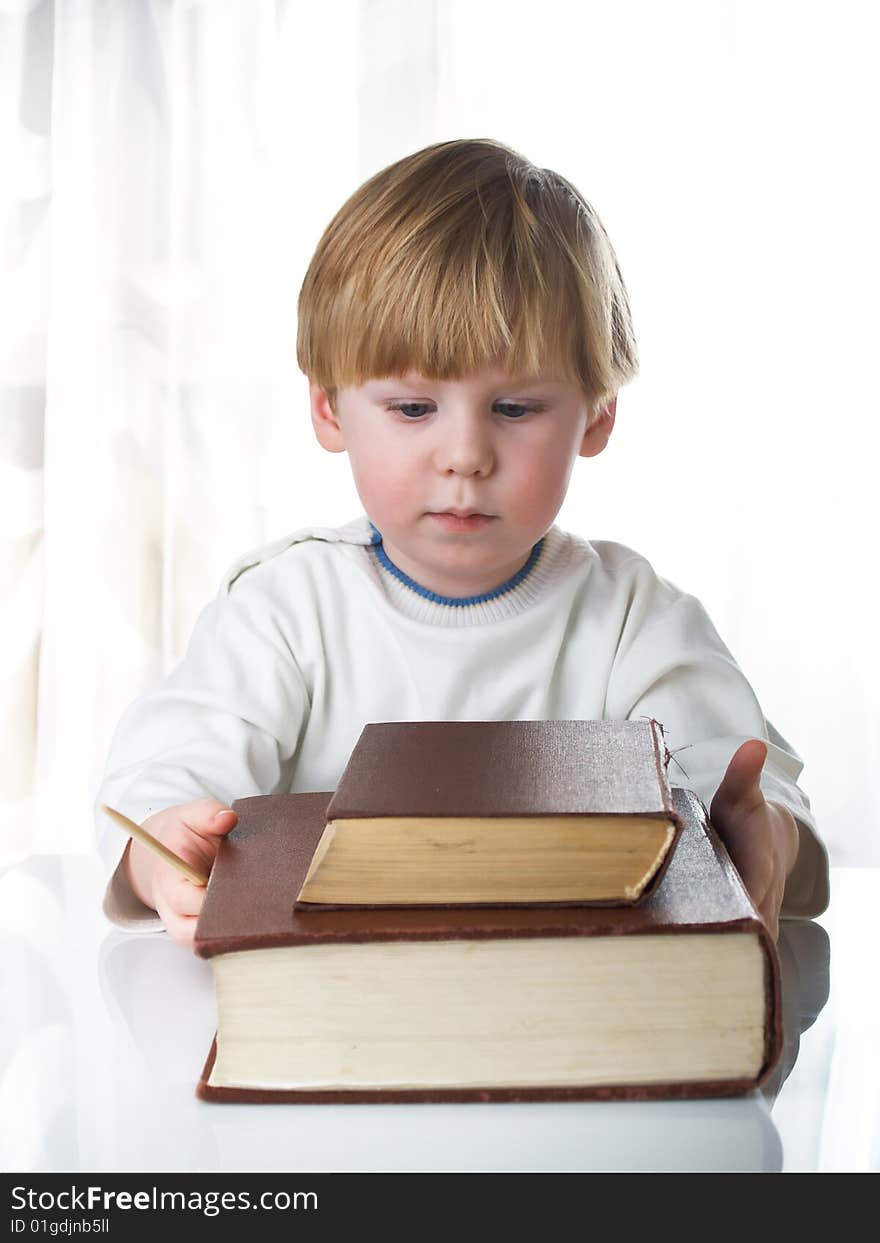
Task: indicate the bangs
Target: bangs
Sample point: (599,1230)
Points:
(460,257)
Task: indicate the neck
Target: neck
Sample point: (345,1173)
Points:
(509,584)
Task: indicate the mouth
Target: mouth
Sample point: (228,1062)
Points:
(461,519)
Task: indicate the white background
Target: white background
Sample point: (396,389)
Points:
(168,169)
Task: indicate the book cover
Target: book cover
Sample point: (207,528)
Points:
(431,776)
(505,768)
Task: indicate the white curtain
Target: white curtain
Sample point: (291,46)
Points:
(168,166)
(164,157)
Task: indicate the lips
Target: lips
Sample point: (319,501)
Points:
(464,513)
(461,520)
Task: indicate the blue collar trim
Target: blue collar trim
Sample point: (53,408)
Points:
(455,601)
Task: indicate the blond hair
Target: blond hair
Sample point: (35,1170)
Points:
(459,256)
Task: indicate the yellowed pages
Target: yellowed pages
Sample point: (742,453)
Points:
(489,859)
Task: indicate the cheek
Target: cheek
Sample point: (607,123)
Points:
(383,478)
(541,473)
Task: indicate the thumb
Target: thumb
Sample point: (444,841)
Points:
(741,782)
(209,817)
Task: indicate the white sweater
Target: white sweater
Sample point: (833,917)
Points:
(316,634)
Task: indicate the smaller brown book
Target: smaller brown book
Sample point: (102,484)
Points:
(470,813)
(675,997)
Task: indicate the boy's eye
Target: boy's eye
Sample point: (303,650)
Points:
(412,409)
(415,409)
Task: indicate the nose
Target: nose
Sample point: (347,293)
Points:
(464,444)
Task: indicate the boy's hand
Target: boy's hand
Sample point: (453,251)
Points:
(761,837)
(193,831)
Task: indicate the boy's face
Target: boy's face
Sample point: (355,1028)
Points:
(487,445)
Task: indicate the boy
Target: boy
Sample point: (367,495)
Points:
(465,330)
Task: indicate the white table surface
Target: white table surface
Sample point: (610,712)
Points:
(104,1035)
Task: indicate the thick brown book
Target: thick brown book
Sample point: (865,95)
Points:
(676,997)
(496,812)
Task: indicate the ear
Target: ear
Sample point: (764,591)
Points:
(599,432)
(326,424)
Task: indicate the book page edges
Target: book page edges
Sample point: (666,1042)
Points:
(634,892)
(463,851)
(521,1021)
(317,858)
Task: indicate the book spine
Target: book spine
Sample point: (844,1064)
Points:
(661,763)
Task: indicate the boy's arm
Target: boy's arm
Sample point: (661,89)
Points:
(671,664)
(224,724)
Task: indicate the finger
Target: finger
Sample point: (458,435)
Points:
(756,881)
(769,913)
(214,821)
(184,930)
(202,815)
(198,811)
(181,928)
(765,892)
(182,896)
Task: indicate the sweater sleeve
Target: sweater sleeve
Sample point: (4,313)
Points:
(225,723)
(672,665)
